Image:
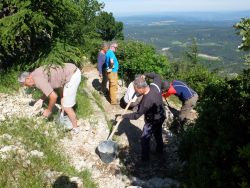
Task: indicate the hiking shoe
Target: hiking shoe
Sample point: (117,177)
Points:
(75,130)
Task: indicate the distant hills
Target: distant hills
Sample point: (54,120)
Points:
(172,33)
(186,16)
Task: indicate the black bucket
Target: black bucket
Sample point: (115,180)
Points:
(107,151)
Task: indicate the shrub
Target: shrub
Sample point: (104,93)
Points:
(8,81)
(217,148)
(137,58)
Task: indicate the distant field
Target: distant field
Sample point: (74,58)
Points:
(209,57)
(215,40)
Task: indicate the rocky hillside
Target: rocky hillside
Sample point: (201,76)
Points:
(80,150)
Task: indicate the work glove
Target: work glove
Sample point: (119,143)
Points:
(38,105)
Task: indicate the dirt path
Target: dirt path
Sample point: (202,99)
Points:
(128,137)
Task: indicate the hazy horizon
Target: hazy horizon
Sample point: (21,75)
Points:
(142,7)
(243,13)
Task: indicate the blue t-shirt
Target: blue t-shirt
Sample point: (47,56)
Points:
(111,55)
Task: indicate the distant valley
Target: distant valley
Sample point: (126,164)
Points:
(172,34)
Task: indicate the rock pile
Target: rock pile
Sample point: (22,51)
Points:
(16,105)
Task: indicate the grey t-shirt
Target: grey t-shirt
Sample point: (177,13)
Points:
(47,79)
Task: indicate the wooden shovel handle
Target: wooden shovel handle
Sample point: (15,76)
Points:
(118,122)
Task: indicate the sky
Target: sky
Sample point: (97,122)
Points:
(134,7)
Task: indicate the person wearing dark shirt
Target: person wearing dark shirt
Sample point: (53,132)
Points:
(151,106)
(186,95)
(101,66)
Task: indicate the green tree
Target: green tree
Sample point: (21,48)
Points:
(192,52)
(217,148)
(41,31)
(243,28)
(108,28)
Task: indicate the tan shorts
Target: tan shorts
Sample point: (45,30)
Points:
(70,89)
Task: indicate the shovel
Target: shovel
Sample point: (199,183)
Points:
(108,149)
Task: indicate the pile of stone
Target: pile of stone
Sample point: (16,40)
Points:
(17,106)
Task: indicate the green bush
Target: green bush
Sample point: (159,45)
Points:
(137,58)
(83,105)
(197,77)
(8,81)
(217,147)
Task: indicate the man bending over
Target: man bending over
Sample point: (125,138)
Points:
(67,78)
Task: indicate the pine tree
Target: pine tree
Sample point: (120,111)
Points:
(34,32)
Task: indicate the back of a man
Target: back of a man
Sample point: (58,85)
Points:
(47,79)
(187,96)
(183,91)
(101,65)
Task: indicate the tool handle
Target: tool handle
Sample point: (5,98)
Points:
(118,122)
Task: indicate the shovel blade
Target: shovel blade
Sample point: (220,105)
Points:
(108,150)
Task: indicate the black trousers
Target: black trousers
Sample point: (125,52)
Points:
(149,129)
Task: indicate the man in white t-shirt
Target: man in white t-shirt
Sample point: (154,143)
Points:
(131,95)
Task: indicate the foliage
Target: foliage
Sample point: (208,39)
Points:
(8,80)
(45,32)
(108,28)
(192,52)
(243,28)
(59,53)
(92,47)
(137,58)
(217,148)
(196,76)
(83,105)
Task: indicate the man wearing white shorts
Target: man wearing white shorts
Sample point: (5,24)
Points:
(66,77)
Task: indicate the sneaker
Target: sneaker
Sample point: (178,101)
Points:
(75,130)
